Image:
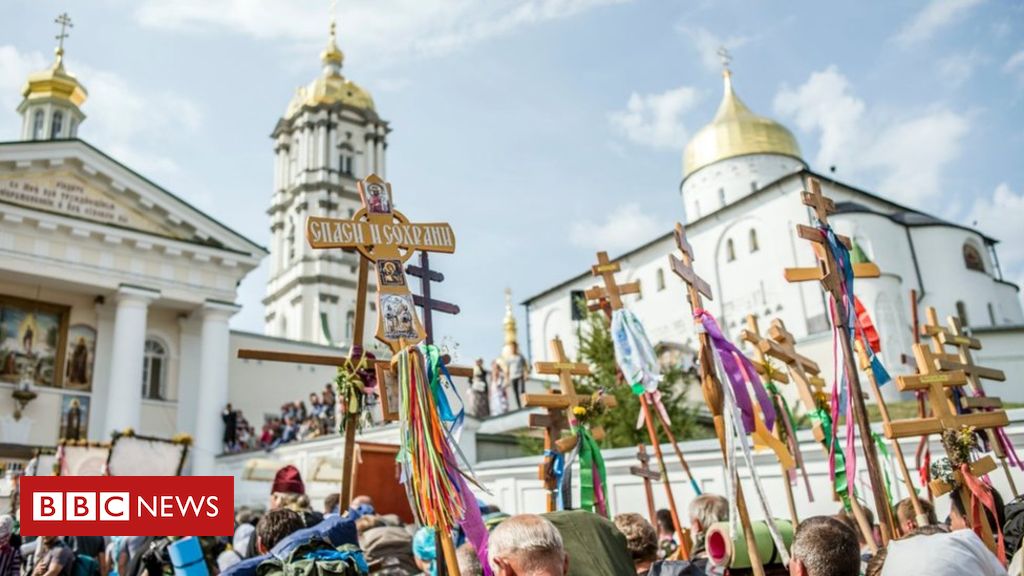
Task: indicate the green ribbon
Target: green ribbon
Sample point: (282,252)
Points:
(774,390)
(884,451)
(839,484)
(351,388)
(591,459)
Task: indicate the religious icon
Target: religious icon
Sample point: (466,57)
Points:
(378,198)
(80,357)
(389,273)
(74,419)
(32,341)
(398,317)
(387,384)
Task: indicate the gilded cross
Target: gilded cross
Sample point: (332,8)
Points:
(65,22)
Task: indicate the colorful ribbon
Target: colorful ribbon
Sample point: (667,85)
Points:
(883,449)
(981,495)
(731,359)
(554,467)
(592,474)
(633,352)
(865,327)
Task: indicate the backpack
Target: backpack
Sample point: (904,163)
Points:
(316,558)
(85,566)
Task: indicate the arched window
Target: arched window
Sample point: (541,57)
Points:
(753,241)
(659,279)
(154,370)
(56,124)
(37,125)
(730,251)
(972,258)
(961,311)
(350,324)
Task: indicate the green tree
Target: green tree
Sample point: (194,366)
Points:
(619,423)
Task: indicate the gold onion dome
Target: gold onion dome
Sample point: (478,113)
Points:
(509,322)
(736,131)
(330,87)
(55,83)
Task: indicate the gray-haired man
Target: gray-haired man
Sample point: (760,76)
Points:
(527,545)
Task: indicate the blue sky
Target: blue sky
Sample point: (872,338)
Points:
(544,130)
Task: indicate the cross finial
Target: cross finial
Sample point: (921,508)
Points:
(725,57)
(65,22)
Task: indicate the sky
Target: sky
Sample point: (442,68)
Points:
(545,130)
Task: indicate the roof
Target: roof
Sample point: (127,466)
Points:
(902,215)
(254,246)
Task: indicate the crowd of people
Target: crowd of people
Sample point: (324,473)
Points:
(294,423)
(291,538)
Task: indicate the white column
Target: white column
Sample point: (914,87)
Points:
(124,399)
(101,372)
(212,393)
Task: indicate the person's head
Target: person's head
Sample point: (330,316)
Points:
(287,489)
(907,517)
(6,527)
(228,407)
(850,520)
(274,526)
(527,545)
(641,539)
(331,502)
(959,518)
(361,500)
(705,510)
(469,563)
(824,546)
(313,398)
(424,550)
(50,540)
(665,527)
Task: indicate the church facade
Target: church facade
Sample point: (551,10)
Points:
(743,175)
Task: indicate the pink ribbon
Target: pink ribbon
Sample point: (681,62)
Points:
(472,523)
(653,398)
(735,363)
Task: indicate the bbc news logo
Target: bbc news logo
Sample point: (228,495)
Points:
(127,506)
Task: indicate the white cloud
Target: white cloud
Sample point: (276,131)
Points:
(999,217)
(377,28)
(1015,65)
(656,120)
(708,44)
(129,122)
(906,154)
(958,68)
(934,17)
(624,227)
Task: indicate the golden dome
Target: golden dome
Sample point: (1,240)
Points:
(510,319)
(54,82)
(331,87)
(736,131)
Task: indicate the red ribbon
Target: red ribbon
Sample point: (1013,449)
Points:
(865,327)
(981,494)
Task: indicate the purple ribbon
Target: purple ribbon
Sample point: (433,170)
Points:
(735,363)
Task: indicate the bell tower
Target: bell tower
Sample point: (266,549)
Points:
(329,137)
(52,98)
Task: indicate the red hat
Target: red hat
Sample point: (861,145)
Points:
(288,479)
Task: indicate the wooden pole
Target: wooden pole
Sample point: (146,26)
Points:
(672,439)
(865,526)
(351,420)
(684,543)
(790,500)
(860,412)
(649,493)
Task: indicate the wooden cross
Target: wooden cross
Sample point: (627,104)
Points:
(831,278)
(752,335)
(710,385)
(644,472)
(384,236)
(805,372)
(553,423)
(936,384)
(424,300)
(611,291)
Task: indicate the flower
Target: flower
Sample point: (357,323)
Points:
(579,410)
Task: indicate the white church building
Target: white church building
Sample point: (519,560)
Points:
(740,192)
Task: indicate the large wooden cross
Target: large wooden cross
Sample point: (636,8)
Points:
(553,423)
(387,238)
(612,292)
(831,277)
(644,472)
(696,288)
(963,359)
(804,372)
(424,299)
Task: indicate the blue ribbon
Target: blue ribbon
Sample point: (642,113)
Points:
(556,464)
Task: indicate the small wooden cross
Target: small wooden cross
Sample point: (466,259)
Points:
(611,291)
(553,423)
(644,472)
(810,387)
(424,300)
(387,238)
(762,436)
(936,384)
(695,285)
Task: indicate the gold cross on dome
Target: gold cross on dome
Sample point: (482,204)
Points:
(65,22)
(724,56)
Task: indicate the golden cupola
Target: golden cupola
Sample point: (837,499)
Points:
(330,87)
(52,98)
(510,320)
(736,131)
